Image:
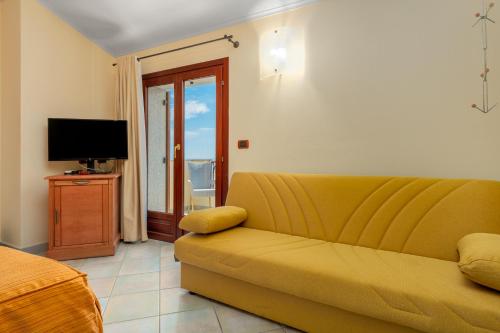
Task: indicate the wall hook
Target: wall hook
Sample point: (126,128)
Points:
(484,19)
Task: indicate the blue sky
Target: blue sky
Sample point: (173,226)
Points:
(199,122)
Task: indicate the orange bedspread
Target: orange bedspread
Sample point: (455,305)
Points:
(41,295)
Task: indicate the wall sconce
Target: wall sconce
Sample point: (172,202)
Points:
(281,52)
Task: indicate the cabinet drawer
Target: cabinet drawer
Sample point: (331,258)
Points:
(80,182)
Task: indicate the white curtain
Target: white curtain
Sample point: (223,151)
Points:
(129,104)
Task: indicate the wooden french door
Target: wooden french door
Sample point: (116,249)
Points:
(186,112)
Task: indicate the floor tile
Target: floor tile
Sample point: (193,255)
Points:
(168,263)
(102,287)
(132,306)
(127,284)
(133,277)
(236,321)
(167,251)
(104,302)
(196,321)
(76,263)
(140,265)
(170,278)
(144,325)
(143,250)
(177,300)
(155,241)
(119,256)
(102,270)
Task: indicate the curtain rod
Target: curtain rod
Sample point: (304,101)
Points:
(229,38)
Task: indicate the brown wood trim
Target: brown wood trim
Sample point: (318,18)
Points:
(167,151)
(178,162)
(177,76)
(165,226)
(161,236)
(160,215)
(57,216)
(225,129)
(201,65)
(81,182)
(95,250)
(84,177)
(50,223)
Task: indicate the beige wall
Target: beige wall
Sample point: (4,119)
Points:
(10,123)
(63,74)
(1,38)
(386,91)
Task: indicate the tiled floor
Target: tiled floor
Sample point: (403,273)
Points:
(139,291)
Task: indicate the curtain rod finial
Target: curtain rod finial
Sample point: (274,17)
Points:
(229,38)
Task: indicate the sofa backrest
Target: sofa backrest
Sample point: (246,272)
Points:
(420,216)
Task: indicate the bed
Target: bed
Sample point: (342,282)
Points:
(42,295)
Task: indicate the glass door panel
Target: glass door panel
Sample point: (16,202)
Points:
(160,137)
(186,113)
(200,119)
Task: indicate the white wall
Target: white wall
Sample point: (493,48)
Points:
(387,90)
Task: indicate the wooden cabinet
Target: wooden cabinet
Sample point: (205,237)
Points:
(84,215)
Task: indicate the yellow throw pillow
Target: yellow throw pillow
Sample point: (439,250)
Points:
(480,258)
(211,220)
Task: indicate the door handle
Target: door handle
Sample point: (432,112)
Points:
(56,216)
(176,148)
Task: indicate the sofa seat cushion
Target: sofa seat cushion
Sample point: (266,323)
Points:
(426,294)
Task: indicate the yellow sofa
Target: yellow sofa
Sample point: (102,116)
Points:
(326,253)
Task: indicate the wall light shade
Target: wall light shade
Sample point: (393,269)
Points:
(281,52)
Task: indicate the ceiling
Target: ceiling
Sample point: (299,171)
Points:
(126,26)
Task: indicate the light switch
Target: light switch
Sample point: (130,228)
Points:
(243,144)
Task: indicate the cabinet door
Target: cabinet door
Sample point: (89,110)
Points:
(81,213)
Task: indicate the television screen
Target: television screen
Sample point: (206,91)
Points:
(87,139)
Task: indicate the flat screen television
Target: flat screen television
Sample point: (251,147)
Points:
(87,140)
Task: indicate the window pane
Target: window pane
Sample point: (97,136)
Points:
(160,148)
(199,142)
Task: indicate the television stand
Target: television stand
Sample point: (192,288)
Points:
(84,216)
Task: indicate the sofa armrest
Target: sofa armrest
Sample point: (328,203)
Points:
(211,220)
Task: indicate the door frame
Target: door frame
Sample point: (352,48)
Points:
(161,226)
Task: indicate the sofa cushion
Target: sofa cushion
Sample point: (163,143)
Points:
(480,258)
(210,220)
(421,216)
(426,294)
